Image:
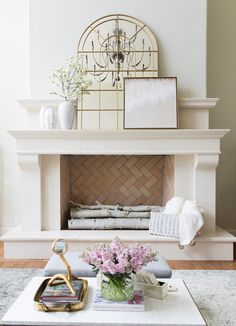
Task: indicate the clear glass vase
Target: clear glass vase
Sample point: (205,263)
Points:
(116,287)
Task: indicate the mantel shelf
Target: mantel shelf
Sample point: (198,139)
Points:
(119,134)
(118,142)
(183,103)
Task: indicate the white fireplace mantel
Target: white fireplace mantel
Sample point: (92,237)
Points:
(195,150)
(196,154)
(149,142)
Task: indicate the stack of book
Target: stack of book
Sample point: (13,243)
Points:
(60,293)
(134,304)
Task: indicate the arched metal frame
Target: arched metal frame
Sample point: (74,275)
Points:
(114,47)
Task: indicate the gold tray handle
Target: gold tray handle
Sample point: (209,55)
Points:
(67,307)
(45,307)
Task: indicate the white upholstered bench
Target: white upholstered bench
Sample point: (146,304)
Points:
(159,268)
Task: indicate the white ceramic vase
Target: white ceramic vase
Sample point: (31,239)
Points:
(48,118)
(66,115)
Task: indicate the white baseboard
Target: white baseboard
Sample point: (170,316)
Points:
(232,231)
(5,230)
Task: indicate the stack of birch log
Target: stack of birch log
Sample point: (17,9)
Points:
(108,217)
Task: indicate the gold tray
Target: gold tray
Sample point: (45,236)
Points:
(70,306)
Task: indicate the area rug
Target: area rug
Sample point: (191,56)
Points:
(213,291)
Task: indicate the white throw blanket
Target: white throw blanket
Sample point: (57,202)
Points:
(184,225)
(189,226)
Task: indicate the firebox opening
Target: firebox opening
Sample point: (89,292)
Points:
(124,182)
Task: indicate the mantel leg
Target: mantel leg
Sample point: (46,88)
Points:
(30,196)
(205,187)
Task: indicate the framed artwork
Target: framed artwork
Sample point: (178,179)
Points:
(150,103)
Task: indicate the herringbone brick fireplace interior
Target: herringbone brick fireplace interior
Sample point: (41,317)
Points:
(112,179)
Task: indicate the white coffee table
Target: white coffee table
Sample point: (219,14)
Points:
(178,308)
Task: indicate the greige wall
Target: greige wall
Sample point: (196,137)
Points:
(55,27)
(221,82)
(13,85)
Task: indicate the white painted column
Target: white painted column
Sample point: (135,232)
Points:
(205,187)
(184,176)
(51,193)
(30,196)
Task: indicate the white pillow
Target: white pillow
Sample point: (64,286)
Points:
(174,205)
(190,206)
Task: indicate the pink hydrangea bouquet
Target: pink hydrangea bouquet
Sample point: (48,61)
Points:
(117,261)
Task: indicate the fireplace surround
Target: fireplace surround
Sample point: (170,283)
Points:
(194,150)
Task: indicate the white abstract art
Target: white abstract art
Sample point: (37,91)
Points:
(150,103)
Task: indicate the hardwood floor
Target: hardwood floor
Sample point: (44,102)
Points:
(202,264)
(19,263)
(174,264)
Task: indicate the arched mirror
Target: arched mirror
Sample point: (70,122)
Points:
(114,47)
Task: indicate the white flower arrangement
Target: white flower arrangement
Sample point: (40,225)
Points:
(70,79)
